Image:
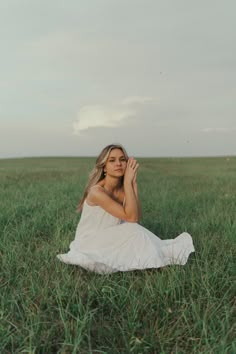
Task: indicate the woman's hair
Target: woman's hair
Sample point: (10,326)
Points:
(97,174)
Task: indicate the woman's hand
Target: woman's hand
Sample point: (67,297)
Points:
(135,175)
(135,178)
(131,186)
(131,170)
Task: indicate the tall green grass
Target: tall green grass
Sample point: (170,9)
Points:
(50,307)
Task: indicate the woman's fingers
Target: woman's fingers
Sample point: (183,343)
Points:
(134,167)
(132,162)
(131,169)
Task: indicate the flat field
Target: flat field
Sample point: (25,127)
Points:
(50,307)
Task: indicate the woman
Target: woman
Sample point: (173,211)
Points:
(108,237)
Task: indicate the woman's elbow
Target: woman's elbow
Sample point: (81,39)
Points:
(132,217)
(133,220)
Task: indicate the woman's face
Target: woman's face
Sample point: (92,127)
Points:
(116,163)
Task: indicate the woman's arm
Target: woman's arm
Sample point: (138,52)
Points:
(131,206)
(129,212)
(135,186)
(130,188)
(98,196)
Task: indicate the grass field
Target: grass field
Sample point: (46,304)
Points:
(50,307)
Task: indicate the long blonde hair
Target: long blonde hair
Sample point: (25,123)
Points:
(97,174)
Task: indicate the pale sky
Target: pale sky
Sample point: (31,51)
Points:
(158,76)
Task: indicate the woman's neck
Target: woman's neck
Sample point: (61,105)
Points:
(112,184)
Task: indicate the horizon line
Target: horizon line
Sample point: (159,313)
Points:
(94,156)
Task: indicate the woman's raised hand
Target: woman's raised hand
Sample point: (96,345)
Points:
(131,170)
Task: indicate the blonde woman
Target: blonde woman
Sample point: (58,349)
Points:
(108,237)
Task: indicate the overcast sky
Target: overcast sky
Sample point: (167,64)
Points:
(157,76)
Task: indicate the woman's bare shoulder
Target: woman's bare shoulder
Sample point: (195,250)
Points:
(97,192)
(94,192)
(113,204)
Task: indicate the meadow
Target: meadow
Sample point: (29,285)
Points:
(51,307)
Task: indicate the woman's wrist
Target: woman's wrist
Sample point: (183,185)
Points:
(135,186)
(128,183)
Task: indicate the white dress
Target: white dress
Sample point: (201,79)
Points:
(105,244)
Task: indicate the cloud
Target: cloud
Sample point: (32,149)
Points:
(218,130)
(93,116)
(139,100)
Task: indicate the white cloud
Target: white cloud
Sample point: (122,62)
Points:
(93,116)
(139,100)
